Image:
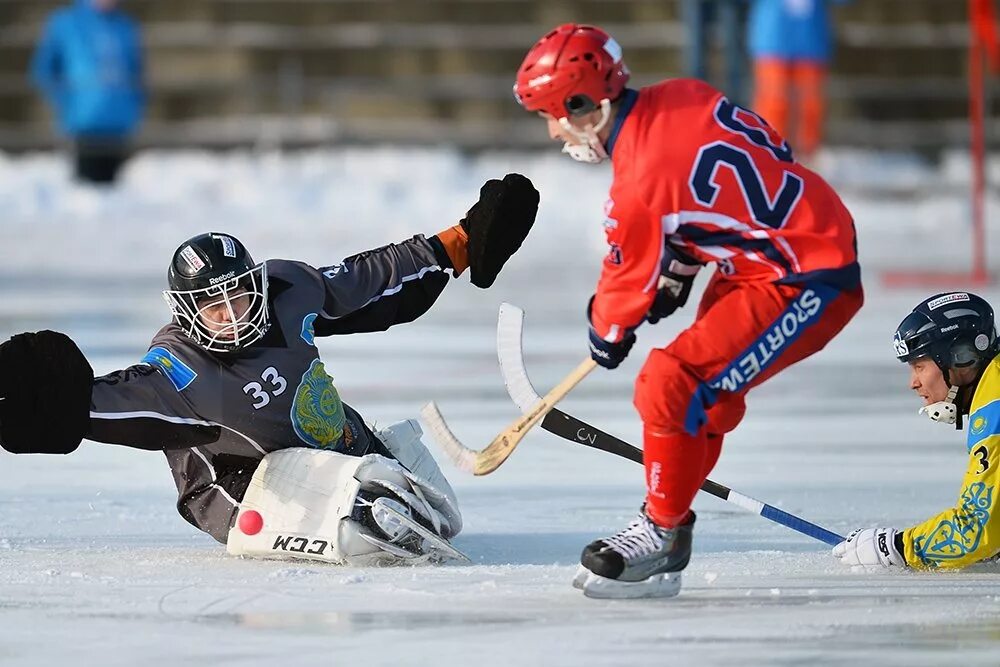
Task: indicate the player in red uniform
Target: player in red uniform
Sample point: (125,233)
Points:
(697,180)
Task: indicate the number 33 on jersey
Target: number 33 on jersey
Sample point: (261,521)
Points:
(276,386)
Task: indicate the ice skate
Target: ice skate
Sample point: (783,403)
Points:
(642,561)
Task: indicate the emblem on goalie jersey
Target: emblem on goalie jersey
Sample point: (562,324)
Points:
(180,374)
(317,411)
(308,331)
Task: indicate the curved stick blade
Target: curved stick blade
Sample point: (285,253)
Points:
(510,352)
(463,457)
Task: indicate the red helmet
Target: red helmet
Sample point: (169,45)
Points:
(570,71)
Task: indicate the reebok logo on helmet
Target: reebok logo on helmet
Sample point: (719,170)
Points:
(224,277)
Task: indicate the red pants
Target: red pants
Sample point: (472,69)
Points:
(787,91)
(690,394)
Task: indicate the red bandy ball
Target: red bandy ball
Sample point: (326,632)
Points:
(251,522)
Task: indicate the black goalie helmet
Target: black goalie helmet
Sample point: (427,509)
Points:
(955,329)
(217,294)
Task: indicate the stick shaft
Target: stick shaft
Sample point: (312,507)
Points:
(570,428)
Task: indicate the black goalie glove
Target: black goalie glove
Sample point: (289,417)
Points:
(677,272)
(45,387)
(497,225)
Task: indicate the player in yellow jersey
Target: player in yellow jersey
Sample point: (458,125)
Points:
(950,343)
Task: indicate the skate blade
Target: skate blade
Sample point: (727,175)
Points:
(580,577)
(665,585)
(439,545)
(394,549)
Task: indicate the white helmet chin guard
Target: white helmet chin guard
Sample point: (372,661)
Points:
(590,149)
(945,412)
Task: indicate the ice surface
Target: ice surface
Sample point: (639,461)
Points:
(96,567)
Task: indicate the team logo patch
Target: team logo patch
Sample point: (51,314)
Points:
(180,374)
(978,425)
(189,255)
(901,349)
(944,300)
(317,411)
(614,254)
(308,332)
(228,246)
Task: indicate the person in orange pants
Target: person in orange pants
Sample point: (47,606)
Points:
(790,95)
(697,180)
(791,42)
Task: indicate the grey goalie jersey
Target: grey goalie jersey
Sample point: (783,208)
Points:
(215,416)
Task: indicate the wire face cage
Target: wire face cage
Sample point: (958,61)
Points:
(227,316)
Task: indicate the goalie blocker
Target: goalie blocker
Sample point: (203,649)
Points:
(45,390)
(493,229)
(326,506)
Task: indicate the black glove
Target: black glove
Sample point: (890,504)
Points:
(609,355)
(497,225)
(45,384)
(677,272)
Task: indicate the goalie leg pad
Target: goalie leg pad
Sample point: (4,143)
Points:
(318,505)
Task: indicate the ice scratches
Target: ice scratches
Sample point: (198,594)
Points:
(351,623)
(296,573)
(178,605)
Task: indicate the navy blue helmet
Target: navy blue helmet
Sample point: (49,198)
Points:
(955,329)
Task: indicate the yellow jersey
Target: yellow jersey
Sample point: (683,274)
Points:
(970,531)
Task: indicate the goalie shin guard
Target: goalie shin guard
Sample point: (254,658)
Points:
(326,506)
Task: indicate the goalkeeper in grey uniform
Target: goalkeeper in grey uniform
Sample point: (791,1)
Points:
(266,457)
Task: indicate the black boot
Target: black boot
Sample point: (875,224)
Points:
(643,560)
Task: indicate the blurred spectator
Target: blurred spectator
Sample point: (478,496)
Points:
(791,42)
(701,18)
(88,65)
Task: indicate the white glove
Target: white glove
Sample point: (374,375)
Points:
(870,547)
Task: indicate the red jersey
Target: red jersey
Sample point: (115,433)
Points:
(714,181)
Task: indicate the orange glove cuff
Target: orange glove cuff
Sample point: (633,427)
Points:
(456,244)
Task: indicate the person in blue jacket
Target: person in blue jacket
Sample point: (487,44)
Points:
(791,42)
(89,66)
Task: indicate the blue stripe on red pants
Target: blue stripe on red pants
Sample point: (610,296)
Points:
(744,333)
(763,353)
